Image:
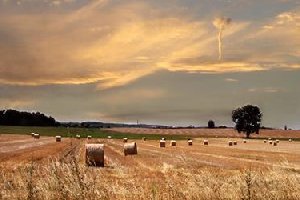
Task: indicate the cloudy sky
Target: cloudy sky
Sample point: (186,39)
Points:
(155,61)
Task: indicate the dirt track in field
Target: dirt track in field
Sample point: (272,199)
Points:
(23,148)
(202,132)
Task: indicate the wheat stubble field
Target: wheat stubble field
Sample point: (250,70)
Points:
(45,169)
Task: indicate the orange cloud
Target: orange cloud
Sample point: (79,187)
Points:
(115,44)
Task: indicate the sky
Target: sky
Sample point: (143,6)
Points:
(153,61)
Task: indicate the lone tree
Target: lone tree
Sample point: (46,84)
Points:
(247,119)
(211,124)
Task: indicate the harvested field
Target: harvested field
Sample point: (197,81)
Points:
(45,169)
(203,132)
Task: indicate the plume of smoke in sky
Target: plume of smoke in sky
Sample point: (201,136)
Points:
(221,23)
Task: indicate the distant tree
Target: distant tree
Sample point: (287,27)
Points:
(247,119)
(211,124)
(17,118)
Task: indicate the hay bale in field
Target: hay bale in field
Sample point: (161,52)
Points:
(58,138)
(290,140)
(230,143)
(277,141)
(234,142)
(162,143)
(109,137)
(130,148)
(245,141)
(94,155)
(164,139)
(173,143)
(144,138)
(274,143)
(36,136)
(190,142)
(265,141)
(270,142)
(205,142)
(125,139)
(78,136)
(89,137)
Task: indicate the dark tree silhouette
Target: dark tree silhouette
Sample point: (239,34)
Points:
(211,124)
(17,118)
(247,119)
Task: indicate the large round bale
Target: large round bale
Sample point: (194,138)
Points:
(164,139)
(36,136)
(94,155)
(125,139)
(245,141)
(229,143)
(270,142)
(89,137)
(290,140)
(109,137)
(162,143)
(144,138)
(234,142)
(130,148)
(274,143)
(173,143)
(205,142)
(265,141)
(58,138)
(190,142)
(277,141)
(77,136)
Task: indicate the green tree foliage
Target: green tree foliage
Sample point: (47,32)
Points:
(247,119)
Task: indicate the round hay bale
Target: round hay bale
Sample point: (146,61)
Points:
(36,136)
(205,142)
(58,138)
(94,155)
(130,148)
(190,142)
(144,138)
(163,139)
(173,143)
(230,143)
(78,136)
(162,143)
(125,139)
(270,142)
(277,141)
(274,143)
(234,142)
(89,137)
(265,141)
(245,141)
(290,140)
(109,137)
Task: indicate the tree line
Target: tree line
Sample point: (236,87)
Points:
(22,118)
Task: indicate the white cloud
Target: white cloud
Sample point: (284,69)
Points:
(231,80)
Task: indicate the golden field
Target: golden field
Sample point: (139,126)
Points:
(45,169)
